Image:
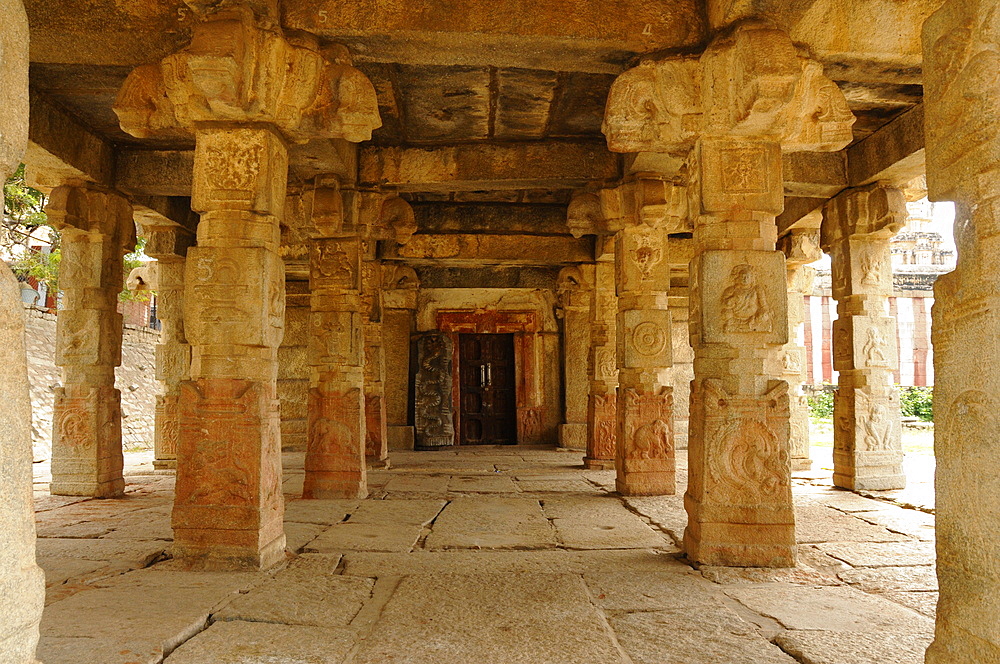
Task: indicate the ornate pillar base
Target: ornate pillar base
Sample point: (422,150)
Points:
(228,506)
(335,465)
(646,463)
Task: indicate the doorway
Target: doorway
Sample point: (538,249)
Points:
(488,398)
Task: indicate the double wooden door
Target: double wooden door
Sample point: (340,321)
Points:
(488,398)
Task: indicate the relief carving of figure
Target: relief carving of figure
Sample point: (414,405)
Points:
(744,306)
(872,266)
(873,349)
(877,426)
(647,257)
(432,399)
(652,440)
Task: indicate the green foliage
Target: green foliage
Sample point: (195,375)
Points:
(821,404)
(917,402)
(42,266)
(22,205)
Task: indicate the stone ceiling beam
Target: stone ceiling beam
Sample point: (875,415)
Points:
(894,154)
(155,172)
(482,166)
(814,174)
(60,150)
(462,250)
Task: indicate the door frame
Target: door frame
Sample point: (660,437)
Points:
(527,346)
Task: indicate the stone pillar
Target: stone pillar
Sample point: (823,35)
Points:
(400,285)
(734,111)
(97,231)
(867,443)
(800,246)
(602,402)
(682,372)
(335,454)
(376,434)
(22,584)
(644,211)
(173,354)
(963,165)
(574,296)
(243,90)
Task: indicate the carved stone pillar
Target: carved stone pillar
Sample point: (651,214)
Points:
(376,435)
(963,165)
(800,246)
(602,402)
(22,583)
(733,111)
(400,285)
(244,91)
(97,231)
(574,296)
(335,455)
(867,444)
(173,354)
(645,211)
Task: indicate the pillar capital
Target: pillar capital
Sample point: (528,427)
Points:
(647,200)
(877,211)
(573,287)
(167,243)
(750,81)
(801,247)
(91,209)
(240,68)
(400,284)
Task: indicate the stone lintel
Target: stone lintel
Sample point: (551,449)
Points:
(894,154)
(466,249)
(157,212)
(155,172)
(61,150)
(490,217)
(814,174)
(568,164)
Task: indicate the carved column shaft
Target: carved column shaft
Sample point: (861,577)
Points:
(23,583)
(800,246)
(961,59)
(376,433)
(739,496)
(97,231)
(575,297)
(867,450)
(335,453)
(644,461)
(228,506)
(602,403)
(173,353)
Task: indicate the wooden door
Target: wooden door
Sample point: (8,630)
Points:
(488,397)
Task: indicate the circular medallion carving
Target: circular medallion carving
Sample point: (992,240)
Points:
(649,339)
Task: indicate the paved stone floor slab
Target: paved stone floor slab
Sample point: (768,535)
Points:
(326,512)
(819,523)
(311,591)
(418,484)
(298,535)
(888,579)
(482,484)
(709,635)
(518,618)
(675,587)
(666,512)
(379,525)
(757,575)
(921,602)
(556,486)
(491,522)
(600,522)
(881,554)
(134,553)
(909,522)
(136,617)
(257,643)
(837,609)
(823,647)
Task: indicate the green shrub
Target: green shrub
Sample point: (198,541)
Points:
(821,404)
(917,402)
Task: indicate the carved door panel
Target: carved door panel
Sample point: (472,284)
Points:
(488,389)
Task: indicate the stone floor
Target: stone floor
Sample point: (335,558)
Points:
(484,555)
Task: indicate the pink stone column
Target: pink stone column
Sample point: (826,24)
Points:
(97,231)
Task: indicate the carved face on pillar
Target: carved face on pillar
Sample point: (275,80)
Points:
(356,103)
(630,118)
(583,216)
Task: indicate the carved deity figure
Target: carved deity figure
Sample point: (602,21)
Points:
(877,428)
(744,306)
(874,343)
(652,441)
(872,265)
(647,258)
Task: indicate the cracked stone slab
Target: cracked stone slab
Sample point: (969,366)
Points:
(260,643)
(921,602)
(327,512)
(825,647)
(514,618)
(474,562)
(418,484)
(709,635)
(482,484)
(674,587)
(600,522)
(889,579)
(136,617)
(667,512)
(309,591)
(881,554)
(841,609)
(134,553)
(848,501)
(909,522)
(378,525)
(556,486)
(298,535)
(819,523)
(491,522)
(757,575)
(148,524)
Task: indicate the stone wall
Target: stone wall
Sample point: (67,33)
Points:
(135,378)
